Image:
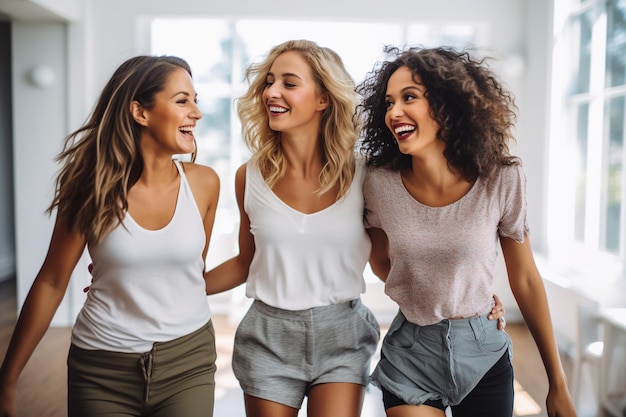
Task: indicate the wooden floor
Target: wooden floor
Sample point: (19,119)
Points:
(42,386)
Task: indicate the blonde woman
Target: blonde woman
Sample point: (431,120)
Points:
(302,244)
(143,343)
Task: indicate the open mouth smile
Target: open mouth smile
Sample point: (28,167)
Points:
(403,131)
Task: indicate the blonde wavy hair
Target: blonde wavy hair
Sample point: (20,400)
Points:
(102,159)
(339,126)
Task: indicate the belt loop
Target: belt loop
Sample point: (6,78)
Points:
(476,324)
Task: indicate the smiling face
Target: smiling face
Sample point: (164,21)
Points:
(169,125)
(408,114)
(292,97)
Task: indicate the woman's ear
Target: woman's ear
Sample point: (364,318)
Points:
(137,112)
(324,101)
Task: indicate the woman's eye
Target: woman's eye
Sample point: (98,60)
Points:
(388,104)
(409,97)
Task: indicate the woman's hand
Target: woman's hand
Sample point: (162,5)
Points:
(89,268)
(497,313)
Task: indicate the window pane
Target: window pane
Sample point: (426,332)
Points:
(213,130)
(209,63)
(457,36)
(370,38)
(616,43)
(582,132)
(585,22)
(613,187)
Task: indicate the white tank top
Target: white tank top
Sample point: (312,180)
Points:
(305,260)
(148,285)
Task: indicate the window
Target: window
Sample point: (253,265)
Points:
(587,213)
(230,45)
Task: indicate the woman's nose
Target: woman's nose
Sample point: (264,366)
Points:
(272,90)
(395,111)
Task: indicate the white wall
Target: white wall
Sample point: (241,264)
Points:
(39,124)
(89,48)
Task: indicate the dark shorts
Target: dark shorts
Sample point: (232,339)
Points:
(176,378)
(279,354)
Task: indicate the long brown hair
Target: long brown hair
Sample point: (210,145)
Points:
(102,159)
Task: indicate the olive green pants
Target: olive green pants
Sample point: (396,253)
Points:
(174,379)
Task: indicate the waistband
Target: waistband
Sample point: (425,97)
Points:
(122,360)
(468,324)
(320,312)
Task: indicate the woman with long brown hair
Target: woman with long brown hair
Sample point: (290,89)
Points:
(143,343)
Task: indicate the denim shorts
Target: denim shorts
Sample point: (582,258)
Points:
(279,354)
(442,362)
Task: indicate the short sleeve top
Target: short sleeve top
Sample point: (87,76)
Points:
(443,259)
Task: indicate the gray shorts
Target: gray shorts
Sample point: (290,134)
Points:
(443,361)
(279,354)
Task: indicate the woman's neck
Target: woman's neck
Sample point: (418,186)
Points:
(303,155)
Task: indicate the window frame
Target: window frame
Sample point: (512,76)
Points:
(587,257)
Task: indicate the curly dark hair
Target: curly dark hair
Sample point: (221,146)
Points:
(474,112)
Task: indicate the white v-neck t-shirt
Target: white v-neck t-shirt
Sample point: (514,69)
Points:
(305,260)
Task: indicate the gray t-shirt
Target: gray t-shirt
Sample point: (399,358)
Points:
(443,259)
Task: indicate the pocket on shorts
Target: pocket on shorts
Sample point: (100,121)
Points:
(245,331)
(368,319)
(210,342)
(401,334)
(494,341)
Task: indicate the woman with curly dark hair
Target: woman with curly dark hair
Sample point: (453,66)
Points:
(441,191)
